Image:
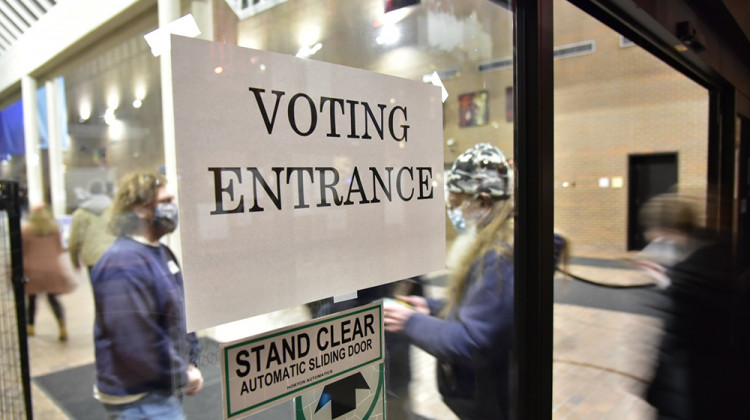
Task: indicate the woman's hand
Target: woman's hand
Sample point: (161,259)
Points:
(418,303)
(195,380)
(397,314)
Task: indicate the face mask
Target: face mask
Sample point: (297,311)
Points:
(166,217)
(458,220)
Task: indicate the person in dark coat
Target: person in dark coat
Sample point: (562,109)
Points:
(703,363)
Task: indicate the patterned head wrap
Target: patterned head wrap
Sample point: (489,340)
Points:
(481,169)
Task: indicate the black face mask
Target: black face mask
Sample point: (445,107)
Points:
(165,217)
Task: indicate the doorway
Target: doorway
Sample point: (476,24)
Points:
(649,176)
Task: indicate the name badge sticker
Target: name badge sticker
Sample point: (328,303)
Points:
(173,267)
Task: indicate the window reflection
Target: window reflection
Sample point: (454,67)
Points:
(114,114)
(627,127)
(113,109)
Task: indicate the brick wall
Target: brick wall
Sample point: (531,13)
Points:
(611,104)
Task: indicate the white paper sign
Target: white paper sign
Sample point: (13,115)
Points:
(274,367)
(300,180)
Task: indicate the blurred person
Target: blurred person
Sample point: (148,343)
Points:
(671,229)
(23,199)
(561,251)
(145,359)
(470,333)
(89,237)
(42,251)
(561,261)
(703,362)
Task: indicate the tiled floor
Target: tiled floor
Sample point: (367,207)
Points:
(601,363)
(602,359)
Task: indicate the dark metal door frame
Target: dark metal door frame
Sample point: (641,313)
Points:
(9,204)
(533,153)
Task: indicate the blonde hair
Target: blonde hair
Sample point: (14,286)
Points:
(497,235)
(135,189)
(40,222)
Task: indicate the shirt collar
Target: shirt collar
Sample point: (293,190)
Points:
(142,239)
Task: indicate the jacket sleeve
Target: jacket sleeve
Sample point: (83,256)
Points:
(480,323)
(436,305)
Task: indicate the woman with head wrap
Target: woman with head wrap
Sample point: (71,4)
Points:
(470,332)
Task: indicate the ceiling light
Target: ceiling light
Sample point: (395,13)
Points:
(116,130)
(308,34)
(389,35)
(109,116)
(84,111)
(137,103)
(140,91)
(113,99)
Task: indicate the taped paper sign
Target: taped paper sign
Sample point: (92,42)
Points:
(299,180)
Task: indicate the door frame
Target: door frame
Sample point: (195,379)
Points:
(633,207)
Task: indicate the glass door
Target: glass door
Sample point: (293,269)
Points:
(457,360)
(631,139)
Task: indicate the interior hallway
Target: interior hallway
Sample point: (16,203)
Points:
(602,358)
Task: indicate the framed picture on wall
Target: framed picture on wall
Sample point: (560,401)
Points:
(473,109)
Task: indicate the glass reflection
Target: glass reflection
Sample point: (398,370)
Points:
(627,128)
(114,113)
